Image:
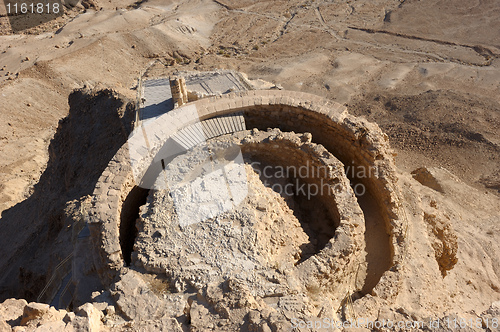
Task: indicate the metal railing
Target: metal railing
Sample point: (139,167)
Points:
(138,103)
(62,270)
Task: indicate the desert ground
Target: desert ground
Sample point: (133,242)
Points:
(427,72)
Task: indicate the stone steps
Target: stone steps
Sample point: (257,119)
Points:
(202,131)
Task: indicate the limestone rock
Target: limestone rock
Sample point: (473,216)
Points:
(444,241)
(165,324)
(92,315)
(11,310)
(4,327)
(34,311)
(135,299)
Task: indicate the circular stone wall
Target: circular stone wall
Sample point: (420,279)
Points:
(264,234)
(354,141)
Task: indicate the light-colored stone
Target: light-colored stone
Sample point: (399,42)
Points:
(34,311)
(342,134)
(4,327)
(12,309)
(134,298)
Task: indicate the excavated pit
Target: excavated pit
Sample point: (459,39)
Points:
(314,217)
(377,241)
(378,236)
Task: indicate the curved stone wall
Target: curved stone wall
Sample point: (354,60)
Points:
(352,140)
(333,264)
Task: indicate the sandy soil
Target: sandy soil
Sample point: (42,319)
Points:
(375,56)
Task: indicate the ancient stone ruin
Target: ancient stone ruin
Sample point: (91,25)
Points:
(179,91)
(269,255)
(235,205)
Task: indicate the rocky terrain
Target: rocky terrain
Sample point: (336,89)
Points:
(427,72)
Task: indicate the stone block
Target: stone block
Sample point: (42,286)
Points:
(258,100)
(34,311)
(248,101)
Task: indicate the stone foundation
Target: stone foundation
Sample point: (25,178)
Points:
(352,140)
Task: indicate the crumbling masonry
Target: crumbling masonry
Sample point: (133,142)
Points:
(352,140)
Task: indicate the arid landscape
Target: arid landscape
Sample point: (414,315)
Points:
(421,77)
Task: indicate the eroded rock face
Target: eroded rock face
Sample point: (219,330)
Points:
(444,241)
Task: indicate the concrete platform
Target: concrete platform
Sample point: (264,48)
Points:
(157,98)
